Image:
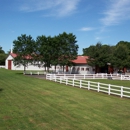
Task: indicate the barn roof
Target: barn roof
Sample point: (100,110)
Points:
(80,60)
(13,55)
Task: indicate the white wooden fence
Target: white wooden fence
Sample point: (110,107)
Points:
(99,87)
(90,76)
(34,73)
(2,66)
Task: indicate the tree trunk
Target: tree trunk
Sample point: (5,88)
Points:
(47,69)
(24,69)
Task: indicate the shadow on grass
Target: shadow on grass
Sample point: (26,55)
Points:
(19,73)
(1,89)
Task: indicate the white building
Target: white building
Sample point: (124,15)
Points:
(10,65)
(80,67)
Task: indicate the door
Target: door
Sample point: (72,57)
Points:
(9,64)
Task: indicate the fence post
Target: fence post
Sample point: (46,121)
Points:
(50,76)
(64,76)
(80,83)
(121,77)
(38,73)
(84,76)
(98,86)
(102,76)
(74,76)
(121,91)
(55,78)
(88,85)
(30,73)
(66,81)
(73,82)
(109,89)
(60,79)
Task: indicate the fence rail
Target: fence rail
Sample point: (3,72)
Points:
(99,87)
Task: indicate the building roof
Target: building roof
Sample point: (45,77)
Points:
(80,60)
(15,55)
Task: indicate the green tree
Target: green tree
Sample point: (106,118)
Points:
(46,50)
(55,52)
(124,43)
(24,47)
(67,48)
(3,56)
(121,56)
(99,55)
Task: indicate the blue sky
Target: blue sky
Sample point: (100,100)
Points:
(92,21)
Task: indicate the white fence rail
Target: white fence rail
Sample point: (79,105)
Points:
(34,73)
(2,66)
(89,76)
(99,87)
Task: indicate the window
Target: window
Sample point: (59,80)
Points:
(73,68)
(82,69)
(87,69)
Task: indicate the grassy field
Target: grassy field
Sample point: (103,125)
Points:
(28,103)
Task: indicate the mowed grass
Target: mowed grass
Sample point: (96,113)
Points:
(27,103)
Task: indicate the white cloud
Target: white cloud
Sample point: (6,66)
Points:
(55,7)
(118,10)
(98,38)
(12,31)
(101,37)
(86,29)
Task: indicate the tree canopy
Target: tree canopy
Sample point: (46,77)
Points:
(67,48)
(24,48)
(99,55)
(121,55)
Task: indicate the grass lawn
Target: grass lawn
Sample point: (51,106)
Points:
(27,103)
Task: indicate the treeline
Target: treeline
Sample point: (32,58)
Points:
(62,49)
(47,50)
(117,56)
